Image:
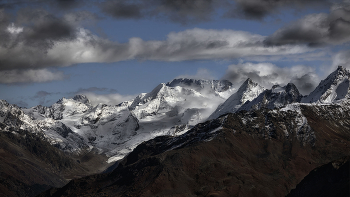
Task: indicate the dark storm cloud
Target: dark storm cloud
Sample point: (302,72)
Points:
(41,94)
(258,9)
(44,27)
(55,4)
(305,83)
(187,11)
(33,33)
(316,29)
(37,28)
(45,34)
(122,9)
(67,4)
(182,11)
(193,44)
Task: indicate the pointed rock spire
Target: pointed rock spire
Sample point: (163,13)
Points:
(248,91)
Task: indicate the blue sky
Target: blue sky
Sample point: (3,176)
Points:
(114,50)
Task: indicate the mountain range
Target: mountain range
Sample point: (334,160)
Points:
(185,137)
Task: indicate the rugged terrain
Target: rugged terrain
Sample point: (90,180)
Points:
(257,142)
(30,165)
(258,153)
(74,125)
(329,180)
(43,147)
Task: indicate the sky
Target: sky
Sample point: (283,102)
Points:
(113,50)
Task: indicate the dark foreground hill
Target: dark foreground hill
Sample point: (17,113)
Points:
(30,165)
(257,153)
(329,180)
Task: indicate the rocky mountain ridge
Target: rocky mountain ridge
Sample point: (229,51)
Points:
(173,114)
(172,108)
(330,90)
(333,88)
(264,152)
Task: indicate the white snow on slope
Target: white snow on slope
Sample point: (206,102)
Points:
(248,91)
(169,109)
(334,87)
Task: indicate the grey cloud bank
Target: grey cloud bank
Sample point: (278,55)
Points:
(267,75)
(40,39)
(316,29)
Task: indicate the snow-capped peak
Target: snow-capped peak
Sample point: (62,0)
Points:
(334,87)
(277,96)
(248,91)
(81,98)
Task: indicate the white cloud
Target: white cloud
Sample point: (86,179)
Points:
(202,44)
(109,99)
(30,75)
(193,44)
(267,75)
(12,29)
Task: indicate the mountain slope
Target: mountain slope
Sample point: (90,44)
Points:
(334,87)
(75,125)
(248,91)
(329,180)
(30,164)
(172,109)
(229,156)
(32,157)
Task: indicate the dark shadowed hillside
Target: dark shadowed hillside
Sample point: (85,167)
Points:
(329,180)
(31,165)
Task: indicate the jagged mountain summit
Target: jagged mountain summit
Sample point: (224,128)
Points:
(248,91)
(270,141)
(276,97)
(252,96)
(41,120)
(173,108)
(333,88)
